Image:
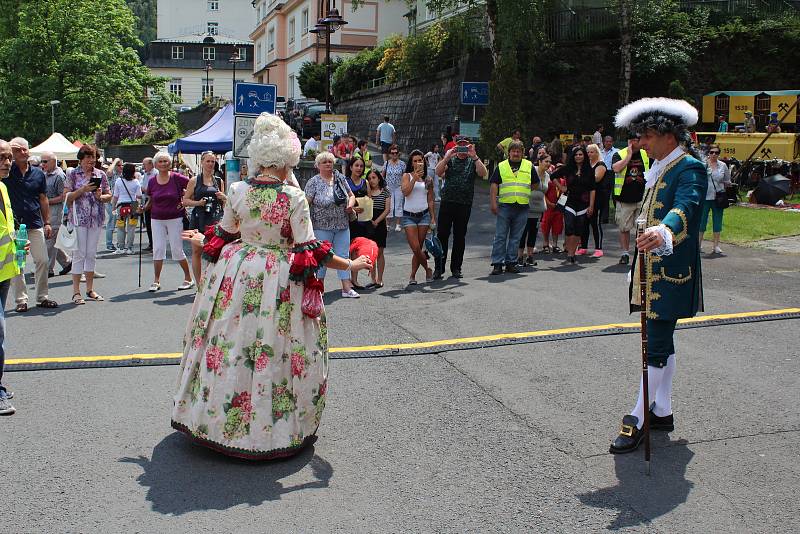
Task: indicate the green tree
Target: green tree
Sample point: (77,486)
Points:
(311,78)
(145,12)
(80,52)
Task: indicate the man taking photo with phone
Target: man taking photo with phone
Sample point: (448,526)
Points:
(459,167)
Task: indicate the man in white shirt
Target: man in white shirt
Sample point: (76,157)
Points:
(386,135)
(312,144)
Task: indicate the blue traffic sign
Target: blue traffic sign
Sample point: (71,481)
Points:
(475,93)
(255,98)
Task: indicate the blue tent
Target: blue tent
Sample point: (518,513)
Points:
(215,135)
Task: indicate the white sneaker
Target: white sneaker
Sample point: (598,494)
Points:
(129,251)
(350,294)
(119,251)
(397,228)
(717,250)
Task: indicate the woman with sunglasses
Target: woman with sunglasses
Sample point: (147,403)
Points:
(206,195)
(393,174)
(719,176)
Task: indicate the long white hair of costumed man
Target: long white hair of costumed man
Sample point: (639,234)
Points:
(663,115)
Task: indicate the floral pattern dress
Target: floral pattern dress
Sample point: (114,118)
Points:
(253,377)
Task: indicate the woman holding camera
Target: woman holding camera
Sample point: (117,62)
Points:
(206,194)
(331,202)
(86,190)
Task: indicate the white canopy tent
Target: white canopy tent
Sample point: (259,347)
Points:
(58,145)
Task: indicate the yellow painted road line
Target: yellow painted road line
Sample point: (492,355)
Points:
(424,344)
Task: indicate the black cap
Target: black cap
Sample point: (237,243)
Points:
(462,139)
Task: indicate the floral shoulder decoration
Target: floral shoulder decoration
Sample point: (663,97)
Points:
(268,203)
(216,238)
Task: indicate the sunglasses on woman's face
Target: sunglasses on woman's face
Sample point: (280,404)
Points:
(393,153)
(713,151)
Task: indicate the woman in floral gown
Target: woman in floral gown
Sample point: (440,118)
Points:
(253,377)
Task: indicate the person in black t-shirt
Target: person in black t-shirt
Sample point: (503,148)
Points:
(633,163)
(580,190)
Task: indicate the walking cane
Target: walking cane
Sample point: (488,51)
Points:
(640,227)
(141,220)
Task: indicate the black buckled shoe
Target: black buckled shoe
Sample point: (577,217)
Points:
(662,423)
(629,437)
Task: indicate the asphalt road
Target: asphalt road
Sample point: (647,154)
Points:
(505,439)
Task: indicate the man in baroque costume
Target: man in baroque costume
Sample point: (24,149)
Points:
(675,187)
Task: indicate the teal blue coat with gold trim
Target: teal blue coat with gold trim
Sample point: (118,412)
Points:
(675,282)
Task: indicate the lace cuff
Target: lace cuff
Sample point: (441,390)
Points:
(215,239)
(307,259)
(666,235)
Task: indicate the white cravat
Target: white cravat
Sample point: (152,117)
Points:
(658,165)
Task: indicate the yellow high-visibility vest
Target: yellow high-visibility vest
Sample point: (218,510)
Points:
(515,187)
(8,248)
(619,178)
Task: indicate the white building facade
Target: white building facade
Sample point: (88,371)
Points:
(282,42)
(196,40)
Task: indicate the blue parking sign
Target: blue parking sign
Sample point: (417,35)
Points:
(475,93)
(255,98)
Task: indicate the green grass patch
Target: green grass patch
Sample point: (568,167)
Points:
(742,226)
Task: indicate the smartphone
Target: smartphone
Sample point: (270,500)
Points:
(96,181)
(462,149)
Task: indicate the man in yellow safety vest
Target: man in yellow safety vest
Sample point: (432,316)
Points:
(510,186)
(629,164)
(8,265)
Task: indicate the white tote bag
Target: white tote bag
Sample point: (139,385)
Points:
(67,238)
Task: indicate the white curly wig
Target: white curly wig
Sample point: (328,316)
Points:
(273,144)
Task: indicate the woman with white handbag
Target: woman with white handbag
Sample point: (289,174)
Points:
(87,190)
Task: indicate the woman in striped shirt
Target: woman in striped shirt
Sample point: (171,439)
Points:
(381,207)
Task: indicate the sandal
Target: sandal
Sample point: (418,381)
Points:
(187,284)
(77,299)
(546,249)
(557,250)
(47,303)
(95,296)
(22,308)
(155,286)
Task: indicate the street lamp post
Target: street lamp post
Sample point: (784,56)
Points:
(53,104)
(234,59)
(207,69)
(330,24)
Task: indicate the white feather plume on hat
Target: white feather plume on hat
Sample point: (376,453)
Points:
(639,109)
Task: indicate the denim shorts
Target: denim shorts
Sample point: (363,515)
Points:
(423,218)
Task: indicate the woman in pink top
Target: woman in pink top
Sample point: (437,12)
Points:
(165,192)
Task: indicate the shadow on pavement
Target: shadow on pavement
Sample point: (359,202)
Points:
(638,498)
(183,477)
(617,268)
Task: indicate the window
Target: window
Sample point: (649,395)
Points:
(177,52)
(271,40)
(242,52)
(259,55)
(209,53)
(208,89)
(304,22)
(213,5)
(291,86)
(213,28)
(291,31)
(176,87)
